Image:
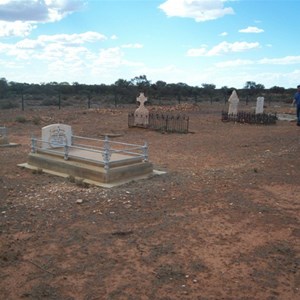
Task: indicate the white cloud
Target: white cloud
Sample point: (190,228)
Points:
(73,39)
(224,33)
(111,56)
(28,44)
(61,39)
(196,52)
(19,17)
(200,10)
(251,29)
(17,28)
(287,60)
(234,63)
(135,46)
(223,47)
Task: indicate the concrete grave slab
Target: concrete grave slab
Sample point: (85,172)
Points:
(99,162)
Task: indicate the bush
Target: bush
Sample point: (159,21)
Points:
(8,104)
(36,120)
(21,119)
(50,102)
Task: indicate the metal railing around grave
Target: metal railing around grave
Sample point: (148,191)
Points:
(104,152)
(163,122)
(250,118)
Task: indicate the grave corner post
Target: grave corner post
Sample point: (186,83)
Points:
(33,144)
(106,154)
(66,151)
(145,152)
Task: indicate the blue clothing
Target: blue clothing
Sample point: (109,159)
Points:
(297,100)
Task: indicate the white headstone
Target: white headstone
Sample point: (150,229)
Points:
(3,136)
(233,103)
(56,135)
(259,105)
(141,115)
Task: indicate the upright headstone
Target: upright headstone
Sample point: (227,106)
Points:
(3,136)
(141,115)
(56,135)
(233,103)
(259,105)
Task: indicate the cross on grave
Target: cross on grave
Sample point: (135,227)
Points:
(142,99)
(141,115)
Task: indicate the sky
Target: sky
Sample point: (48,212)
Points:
(220,42)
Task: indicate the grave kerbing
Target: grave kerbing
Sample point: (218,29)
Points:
(99,162)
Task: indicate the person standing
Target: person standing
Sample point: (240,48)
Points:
(297,103)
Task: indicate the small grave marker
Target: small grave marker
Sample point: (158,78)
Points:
(259,105)
(4,142)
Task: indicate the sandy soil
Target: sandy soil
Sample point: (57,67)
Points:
(222,223)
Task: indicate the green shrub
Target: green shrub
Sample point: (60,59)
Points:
(21,119)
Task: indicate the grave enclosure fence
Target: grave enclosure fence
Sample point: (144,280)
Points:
(162,122)
(250,118)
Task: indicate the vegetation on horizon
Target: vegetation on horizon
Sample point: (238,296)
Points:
(124,91)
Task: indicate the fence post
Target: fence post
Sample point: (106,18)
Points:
(167,123)
(23,102)
(33,144)
(106,154)
(89,101)
(59,101)
(145,151)
(66,152)
(187,123)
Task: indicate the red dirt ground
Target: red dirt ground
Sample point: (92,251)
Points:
(222,223)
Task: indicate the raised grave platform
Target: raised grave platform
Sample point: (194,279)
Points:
(104,162)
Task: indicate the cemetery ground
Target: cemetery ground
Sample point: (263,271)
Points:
(222,223)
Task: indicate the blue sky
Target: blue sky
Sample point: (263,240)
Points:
(225,43)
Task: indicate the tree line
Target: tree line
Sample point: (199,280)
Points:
(126,91)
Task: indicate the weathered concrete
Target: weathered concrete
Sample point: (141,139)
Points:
(89,171)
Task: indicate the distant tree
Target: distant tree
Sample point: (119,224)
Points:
(141,82)
(3,87)
(123,89)
(260,87)
(250,85)
(16,87)
(225,90)
(253,89)
(159,89)
(208,89)
(277,90)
